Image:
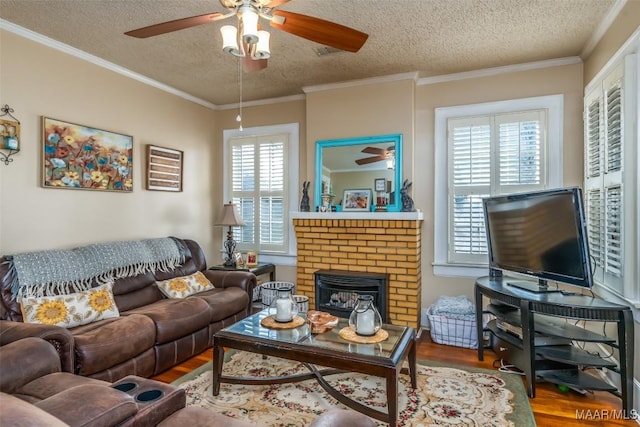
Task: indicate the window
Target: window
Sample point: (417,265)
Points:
(489,149)
(261,175)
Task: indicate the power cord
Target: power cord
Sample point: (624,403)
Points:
(507,369)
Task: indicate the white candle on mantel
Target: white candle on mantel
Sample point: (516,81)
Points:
(283,310)
(365,324)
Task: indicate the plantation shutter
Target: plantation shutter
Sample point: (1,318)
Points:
(470,142)
(490,155)
(603,179)
(258,187)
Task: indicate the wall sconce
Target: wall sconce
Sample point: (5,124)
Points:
(9,135)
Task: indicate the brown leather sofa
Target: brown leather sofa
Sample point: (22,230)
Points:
(35,392)
(152,333)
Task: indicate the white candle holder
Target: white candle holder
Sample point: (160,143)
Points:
(284,308)
(365,319)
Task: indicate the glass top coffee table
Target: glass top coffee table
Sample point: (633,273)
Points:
(323,354)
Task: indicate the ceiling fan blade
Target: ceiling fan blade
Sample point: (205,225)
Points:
(252,65)
(374,150)
(276,3)
(320,31)
(170,26)
(368,160)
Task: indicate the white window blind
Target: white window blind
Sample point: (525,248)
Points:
(490,155)
(259,184)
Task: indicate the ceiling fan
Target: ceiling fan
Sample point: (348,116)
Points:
(380,155)
(308,27)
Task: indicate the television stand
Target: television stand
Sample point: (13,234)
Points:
(541,315)
(537,288)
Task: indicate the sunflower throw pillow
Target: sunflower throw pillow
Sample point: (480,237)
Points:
(181,287)
(71,310)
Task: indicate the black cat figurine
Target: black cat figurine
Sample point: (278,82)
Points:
(407,201)
(304,203)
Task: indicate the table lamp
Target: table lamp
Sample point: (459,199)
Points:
(231,218)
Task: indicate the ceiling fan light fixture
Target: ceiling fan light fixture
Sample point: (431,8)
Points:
(262,47)
(249,19)
(391,163)
(230,40)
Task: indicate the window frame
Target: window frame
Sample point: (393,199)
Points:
(292,171)
(554,104)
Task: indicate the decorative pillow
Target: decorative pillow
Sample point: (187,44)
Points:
(181,287)
(72,309)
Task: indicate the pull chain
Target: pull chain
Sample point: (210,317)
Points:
(239,116)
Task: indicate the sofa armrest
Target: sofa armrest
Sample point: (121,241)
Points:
(26,360)
(59,337)
(233,278)
(100,406)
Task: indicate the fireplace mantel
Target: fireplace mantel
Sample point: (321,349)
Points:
(390,216)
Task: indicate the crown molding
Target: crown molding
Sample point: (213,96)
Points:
(603,27)
(500,70)
(54,44)
(363,82)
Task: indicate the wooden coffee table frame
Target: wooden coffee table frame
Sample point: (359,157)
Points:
(335,361)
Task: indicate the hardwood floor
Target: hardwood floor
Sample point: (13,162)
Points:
(550,407)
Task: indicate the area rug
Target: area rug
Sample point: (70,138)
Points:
(445,396)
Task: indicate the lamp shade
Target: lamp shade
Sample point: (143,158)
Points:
(249,26)
(230,40)
(262,48)
(230,216)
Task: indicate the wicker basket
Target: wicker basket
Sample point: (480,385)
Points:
(269,291)
(459,331)
(302,302)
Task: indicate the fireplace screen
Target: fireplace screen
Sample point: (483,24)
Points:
(337,291)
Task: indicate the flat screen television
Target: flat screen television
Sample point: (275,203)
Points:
(540,234)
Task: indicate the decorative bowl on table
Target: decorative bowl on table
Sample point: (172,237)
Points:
(321,321)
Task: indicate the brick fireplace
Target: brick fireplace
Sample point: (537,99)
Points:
(386,243)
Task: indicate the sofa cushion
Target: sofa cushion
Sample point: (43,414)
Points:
(48,385)
(181,287)
(71,310)
(18,413)
(90,405)
(224,302)
(176,318)
(101,345)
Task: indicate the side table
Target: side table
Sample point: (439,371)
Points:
(261,268)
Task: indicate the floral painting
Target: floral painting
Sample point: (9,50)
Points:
(81,157)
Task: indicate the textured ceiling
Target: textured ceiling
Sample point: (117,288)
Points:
(431,37)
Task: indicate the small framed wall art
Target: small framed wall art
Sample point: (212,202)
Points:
(356,200)
(164,169)
(82,157)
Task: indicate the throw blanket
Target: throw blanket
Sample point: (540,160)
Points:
(67,271)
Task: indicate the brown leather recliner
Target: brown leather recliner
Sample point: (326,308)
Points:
(34,392)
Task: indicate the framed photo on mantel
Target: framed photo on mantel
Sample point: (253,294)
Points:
(356,200)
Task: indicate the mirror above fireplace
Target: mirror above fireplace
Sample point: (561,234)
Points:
(358,163)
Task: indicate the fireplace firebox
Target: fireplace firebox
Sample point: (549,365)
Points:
(337,291)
